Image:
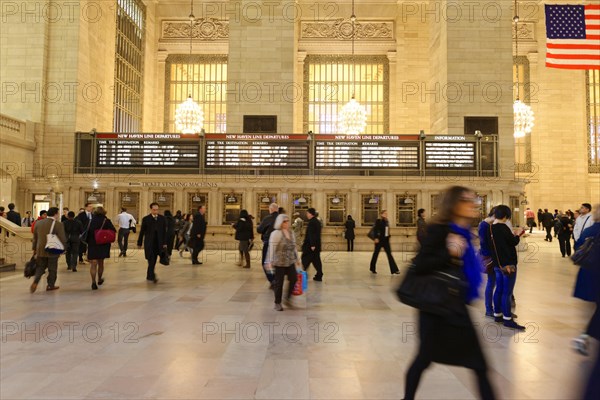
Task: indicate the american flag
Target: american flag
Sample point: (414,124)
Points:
(573,36)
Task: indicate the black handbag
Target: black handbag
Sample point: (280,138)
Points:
(584,256)
(372,234)
(30,267)
(164,258)
(439,292)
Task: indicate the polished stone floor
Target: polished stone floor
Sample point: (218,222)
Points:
(210,332)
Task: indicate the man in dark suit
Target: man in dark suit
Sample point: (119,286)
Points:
(548,221)
(85,217)
(154,230)
(12,215)
(198,233)
(311,248)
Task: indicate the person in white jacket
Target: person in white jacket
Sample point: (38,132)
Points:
(584,220)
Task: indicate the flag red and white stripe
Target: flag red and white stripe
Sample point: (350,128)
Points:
(575,53)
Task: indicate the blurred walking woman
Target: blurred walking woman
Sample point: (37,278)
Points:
(445,340)
(244,232)
(283,257)
(98,252)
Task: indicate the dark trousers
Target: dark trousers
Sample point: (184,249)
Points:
(82,250)
(422,362)
(198,247)
(489,292)
(385,243)
(530,222)
(565,245)
(72,253)
(150,275)
(122,239)
(309,256)
(170,240)
(268,274)
(46,262)
(280,273)
(549,233)
(350,244)
(505,285)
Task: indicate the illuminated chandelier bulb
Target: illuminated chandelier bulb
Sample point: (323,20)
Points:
(524,118)
(189,117)
(352,119)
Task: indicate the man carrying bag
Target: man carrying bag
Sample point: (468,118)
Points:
(49,241)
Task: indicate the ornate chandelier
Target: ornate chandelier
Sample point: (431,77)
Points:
(523,114)
(189,117)
(523,119)
(352,119)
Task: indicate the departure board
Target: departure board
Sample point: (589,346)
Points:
(256,151)
(450,155)
(147,151)
(366,152)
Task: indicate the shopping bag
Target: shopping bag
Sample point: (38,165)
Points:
(298,286)
(53,243)
(304,280)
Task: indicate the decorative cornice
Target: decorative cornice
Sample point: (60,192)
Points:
(208,29)
(341,29)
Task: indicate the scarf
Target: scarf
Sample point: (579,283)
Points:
(471,263)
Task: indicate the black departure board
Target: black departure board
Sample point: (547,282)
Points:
(457,154)
(366,152)
(147,151)
(256,151)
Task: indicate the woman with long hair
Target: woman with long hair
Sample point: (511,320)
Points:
(283,258)
(97,253)
(448,247)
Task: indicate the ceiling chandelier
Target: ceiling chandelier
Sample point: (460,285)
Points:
(189,117)
(523,114)
(352,119)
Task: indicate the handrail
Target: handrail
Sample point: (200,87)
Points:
(19,231)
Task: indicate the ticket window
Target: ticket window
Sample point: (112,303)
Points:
(164,200)
(196,200)
(336,209)
(263,201)
(95,198)
(436,201)
(301,203)
(130,201)
(232,206)
(371,208)
(406,210)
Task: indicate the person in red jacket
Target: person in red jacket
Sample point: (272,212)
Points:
(43,215)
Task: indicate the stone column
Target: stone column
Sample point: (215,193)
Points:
(392,56)
(299,101)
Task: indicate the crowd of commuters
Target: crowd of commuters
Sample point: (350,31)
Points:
(446,244)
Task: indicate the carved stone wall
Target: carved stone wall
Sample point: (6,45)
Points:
(341,29)
(208,29)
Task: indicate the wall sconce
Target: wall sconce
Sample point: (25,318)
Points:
(161,198)
(265,199)
(478,134)
(196,199)
(126,198)
(407,199)
(335,199)
(301,199)
(231,199)
(422,135)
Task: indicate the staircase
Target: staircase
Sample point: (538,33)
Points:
(6,267)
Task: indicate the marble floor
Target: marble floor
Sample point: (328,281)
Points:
(210,332)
